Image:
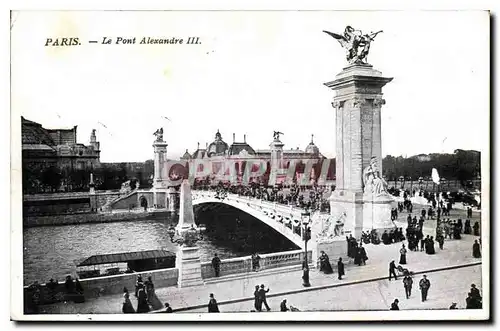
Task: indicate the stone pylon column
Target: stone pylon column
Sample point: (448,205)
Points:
(276,147)
(160,177)
(357,103)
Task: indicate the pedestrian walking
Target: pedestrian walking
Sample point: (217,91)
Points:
(395,305)
(212,304)
(340,268)
(150,289)
(127,307)
(142,301)
(138,285)
(422,244)
(363,254)
(324,264)
(262,297)
(402,252)
(257,303)
(476,229)
(476,250)
(392,270)
(216,265)
(424,284)
(440,240)
(408,283)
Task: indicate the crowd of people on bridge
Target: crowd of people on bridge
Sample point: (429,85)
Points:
(313,197)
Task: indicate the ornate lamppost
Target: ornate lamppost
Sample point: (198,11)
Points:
(306,235)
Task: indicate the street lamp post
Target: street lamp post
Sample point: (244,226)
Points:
(306,234)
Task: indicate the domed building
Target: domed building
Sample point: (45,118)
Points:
(186,156)
(218,147)
(312,148)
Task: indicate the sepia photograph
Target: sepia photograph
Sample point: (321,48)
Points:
(250,165)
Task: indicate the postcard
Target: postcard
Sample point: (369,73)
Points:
(250,165)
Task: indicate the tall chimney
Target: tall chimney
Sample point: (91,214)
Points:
(234,137)
(244,138)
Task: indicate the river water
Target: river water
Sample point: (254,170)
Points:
(51,252)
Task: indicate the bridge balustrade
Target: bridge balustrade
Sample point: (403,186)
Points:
(241,265)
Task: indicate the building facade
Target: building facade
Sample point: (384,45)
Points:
(53,160)
(225,159)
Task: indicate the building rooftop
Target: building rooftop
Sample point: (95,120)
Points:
(237,148)
(34,134)
(125,257)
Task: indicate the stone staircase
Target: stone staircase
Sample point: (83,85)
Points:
(109,204)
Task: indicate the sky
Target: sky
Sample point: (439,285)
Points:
(253,73)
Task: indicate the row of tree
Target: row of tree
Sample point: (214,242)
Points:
(463,166)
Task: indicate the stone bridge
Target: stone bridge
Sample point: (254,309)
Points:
(284,219)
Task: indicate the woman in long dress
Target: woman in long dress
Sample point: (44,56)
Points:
(357,255)
(476,250)
(476,229)
(142,301)
(467,227)
(325,265)
(150,289)
(213,307)
(127,307)
(431,247)
(402,258)
(153,300)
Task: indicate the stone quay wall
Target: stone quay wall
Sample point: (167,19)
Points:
(242,265)
(84,218)
(95,287)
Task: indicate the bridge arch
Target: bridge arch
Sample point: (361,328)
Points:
(283,219)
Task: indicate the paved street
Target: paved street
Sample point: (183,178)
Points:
(456,252)
(446,287)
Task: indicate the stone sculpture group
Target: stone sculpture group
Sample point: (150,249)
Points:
(356,44)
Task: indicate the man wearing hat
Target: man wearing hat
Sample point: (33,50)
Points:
(262,297)
(424,284)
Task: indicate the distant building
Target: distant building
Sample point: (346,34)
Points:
(51,153)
